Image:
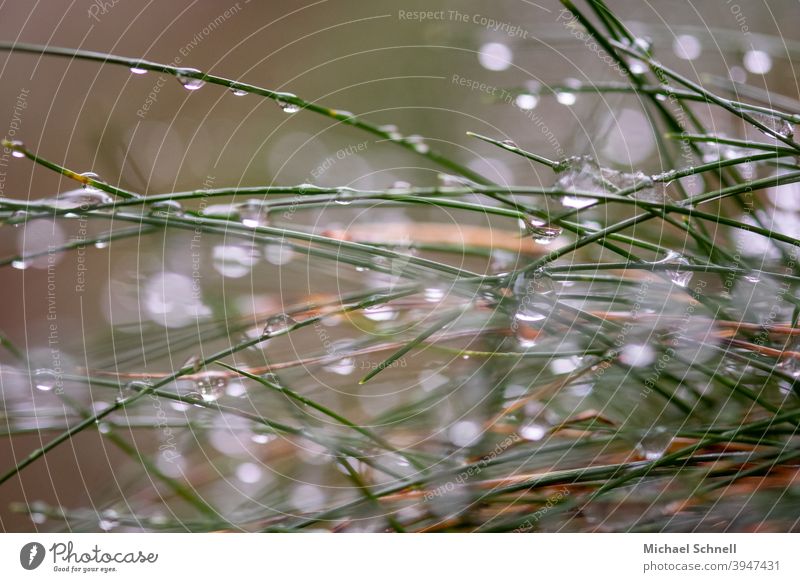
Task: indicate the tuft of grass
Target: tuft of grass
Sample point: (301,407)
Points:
(631,370)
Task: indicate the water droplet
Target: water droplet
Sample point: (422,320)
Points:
(20,264)
(757,62)
(344,196)
(187,78)
(15,143)
(526,101)
(138,71)
(643,44)
(249,473)
(165,208)
(434,294)
(278,254)
(464,433)
(101,244)
(343,367)
(194,363)
(238,92)
(540,231)
(509,143)
(278,324)
(677,276)
(20,217)
(753,277)
(776,124)
(108,520)
(581,174)
(391,132)
(137,386)
(534,293)
(495,56)
(84,198)
(38,517)
(261,438)
(417,143)
(235,261)
(687,47)
(45,380)
(285,105)
(400,187)
(637,355)
(790,358)
(637,67)
(381,313)
(452,181)
(211,385)
(654,443)
(252,213)
(103,427)
(566,97)
(533,432)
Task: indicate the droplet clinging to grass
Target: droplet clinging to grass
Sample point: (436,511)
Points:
(188,78)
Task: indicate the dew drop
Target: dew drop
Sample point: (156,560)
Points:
(776,124)
(581,174)
(687,47)
(278,254)
(540,231)
(211,385)
(45,379)
(278,324)
(344,196)
(20,264)
(343,367)
(261,438)
(464,433)
(526,101)
(654,443)
(418,144)
(13,144)
(187,78)
(235,261)
(495,56)
(249,473)
(509,143)
(84,198)
(677,276)
(288,106)
(533,432)
(400,187)
(391,131)
(194,363)
(534,294)
(381,313)
(138,71)
(251,213)
(238,92)
(19,217)
(137,386)
(165,208)
(109,520)
(434,294)
(643,44)
(757,62)
(566,97)
(637,355)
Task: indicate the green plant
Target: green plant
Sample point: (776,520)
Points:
(629,373)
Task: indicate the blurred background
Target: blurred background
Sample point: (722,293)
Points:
(436,69)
